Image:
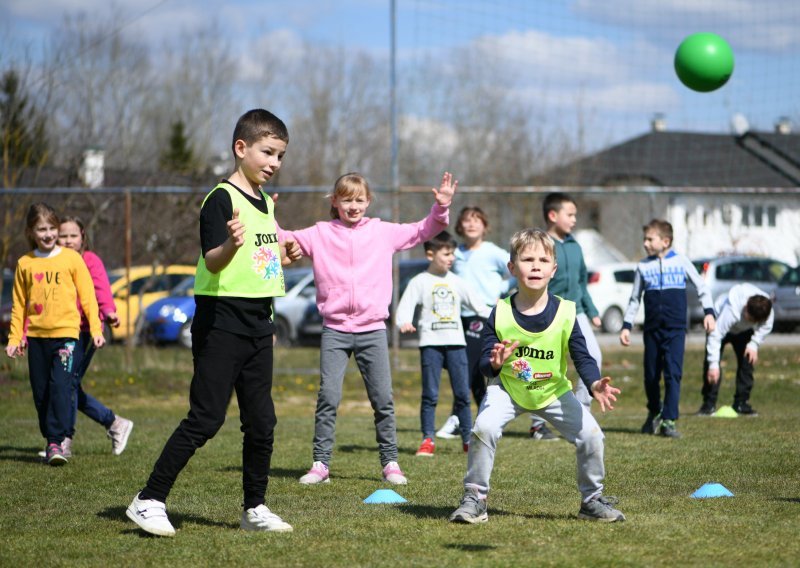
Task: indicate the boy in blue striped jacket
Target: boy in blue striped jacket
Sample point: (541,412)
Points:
(662,277)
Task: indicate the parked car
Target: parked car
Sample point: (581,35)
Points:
(786,301)
(311,325)
(722,273)
(610,287)
(170,319)
(146,286)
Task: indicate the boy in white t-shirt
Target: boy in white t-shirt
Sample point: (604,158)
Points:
(441,335)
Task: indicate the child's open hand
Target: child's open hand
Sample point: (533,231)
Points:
(407,328)
(713,376)
(444,195)
(709,323)
(625,337)
(236,229)
(501,352)
(604,393)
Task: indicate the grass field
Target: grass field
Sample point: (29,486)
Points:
(75,515)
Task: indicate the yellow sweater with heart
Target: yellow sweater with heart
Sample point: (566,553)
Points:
(46,293)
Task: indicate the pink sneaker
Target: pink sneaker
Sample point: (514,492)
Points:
(393,474)
(317,474)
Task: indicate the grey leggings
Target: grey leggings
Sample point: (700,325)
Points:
(371,351)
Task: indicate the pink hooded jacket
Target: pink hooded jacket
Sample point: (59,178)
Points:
(353,265)
(102,289)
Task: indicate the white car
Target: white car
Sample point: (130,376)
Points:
(610,287)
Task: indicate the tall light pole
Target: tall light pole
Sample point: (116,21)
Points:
(395,170)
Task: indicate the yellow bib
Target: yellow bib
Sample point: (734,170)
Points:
(536,373)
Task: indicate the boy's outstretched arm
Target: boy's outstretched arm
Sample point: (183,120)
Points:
(444,195)
(604,393)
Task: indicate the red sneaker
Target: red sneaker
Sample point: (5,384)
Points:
(466,447)
(426,447)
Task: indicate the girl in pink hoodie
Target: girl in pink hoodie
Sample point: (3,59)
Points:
(352,258)
(72,234)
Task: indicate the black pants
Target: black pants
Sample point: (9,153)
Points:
(744,371)
(223,362)
(51,362)
(473,334)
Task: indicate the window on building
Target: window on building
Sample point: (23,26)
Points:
(758,216)
(772,216)
(745,215)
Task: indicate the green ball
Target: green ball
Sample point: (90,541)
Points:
(704,62)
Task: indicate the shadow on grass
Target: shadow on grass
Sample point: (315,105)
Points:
(433,512)
(789,499)
(20,454)
(636,431)
(177,520)
(470,547)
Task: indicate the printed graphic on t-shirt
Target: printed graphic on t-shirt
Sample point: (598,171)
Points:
(266,263)
(444,308)
(671,277)
(45,289)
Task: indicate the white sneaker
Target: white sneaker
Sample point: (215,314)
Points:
(317,474)
(151,516)
(118,432)
(262,519)
(449,429)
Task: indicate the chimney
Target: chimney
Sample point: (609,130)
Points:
(658,123)
(91,170)
(783,125)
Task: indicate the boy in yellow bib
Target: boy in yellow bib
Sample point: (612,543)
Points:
(525,346)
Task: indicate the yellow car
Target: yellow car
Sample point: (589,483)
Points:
(147,284)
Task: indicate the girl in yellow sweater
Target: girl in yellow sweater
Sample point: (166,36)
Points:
(48,283)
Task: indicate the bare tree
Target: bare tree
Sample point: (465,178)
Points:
(337,102)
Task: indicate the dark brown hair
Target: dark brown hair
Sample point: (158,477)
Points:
(471,211)
(758,308)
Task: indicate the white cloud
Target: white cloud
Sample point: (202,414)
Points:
(753,24)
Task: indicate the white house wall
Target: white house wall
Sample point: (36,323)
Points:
(712,225)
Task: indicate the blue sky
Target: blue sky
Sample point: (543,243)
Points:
(608,61)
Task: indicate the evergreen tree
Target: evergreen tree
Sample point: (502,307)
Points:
(178,156)
(24,140)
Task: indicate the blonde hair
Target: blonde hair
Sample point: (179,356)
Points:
(530,237)
(348,186)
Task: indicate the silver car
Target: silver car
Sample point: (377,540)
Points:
(786,301)
(723,273)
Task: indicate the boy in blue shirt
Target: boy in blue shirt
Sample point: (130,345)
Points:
(526,341)
(662,277)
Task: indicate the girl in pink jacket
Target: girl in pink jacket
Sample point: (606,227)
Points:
(352,258)
(72,234)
